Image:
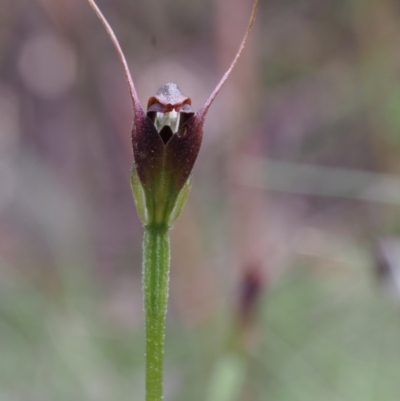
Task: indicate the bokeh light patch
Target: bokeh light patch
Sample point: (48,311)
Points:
(47,65)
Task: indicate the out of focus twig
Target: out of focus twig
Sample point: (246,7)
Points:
(307,179)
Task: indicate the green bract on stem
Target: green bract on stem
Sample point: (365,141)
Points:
(166,140)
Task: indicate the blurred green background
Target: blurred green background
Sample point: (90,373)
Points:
(285,280)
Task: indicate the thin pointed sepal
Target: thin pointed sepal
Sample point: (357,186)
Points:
(203,111)
(137,107)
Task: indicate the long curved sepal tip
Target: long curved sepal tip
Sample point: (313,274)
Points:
(137,108)
(203,111)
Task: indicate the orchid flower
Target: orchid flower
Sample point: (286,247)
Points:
(166,140)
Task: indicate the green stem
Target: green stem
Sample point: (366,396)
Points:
(156,262)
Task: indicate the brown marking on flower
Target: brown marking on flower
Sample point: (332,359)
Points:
(148,149)
(182,151)
(169,97)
